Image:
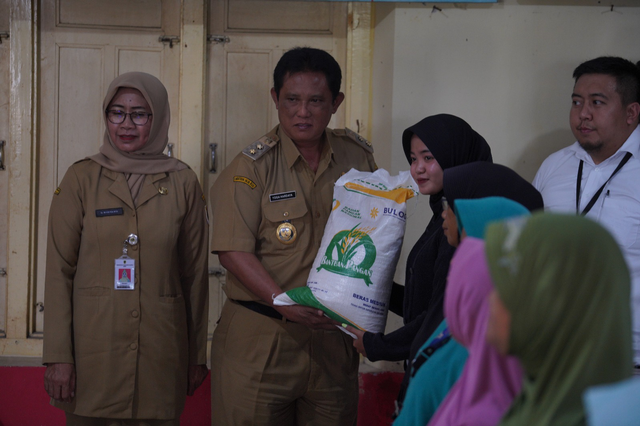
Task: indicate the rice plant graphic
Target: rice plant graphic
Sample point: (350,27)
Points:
(345,245)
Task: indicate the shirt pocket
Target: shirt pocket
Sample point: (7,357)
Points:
(621,216)
(285,222)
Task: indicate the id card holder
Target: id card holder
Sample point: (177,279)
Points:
(125,268)
(125,273)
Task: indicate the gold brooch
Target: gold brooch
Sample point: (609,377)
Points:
(286,233)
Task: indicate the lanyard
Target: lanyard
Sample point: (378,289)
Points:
(424,355)
(597,194)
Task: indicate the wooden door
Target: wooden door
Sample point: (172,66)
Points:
(85,44)
(4,148)
(251,36)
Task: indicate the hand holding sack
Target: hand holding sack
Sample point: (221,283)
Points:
(352,274)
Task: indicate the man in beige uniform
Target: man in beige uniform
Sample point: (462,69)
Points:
(283,365)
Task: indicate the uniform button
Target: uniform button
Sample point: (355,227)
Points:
(134,314)
(318,215)
(134,214)
(133,346)
(285,214)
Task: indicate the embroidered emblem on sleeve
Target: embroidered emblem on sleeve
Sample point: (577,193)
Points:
(245,180)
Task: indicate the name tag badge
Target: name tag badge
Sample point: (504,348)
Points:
(282,196)
(125,273)
(116,211)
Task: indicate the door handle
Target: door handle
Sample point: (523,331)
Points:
(2,155)
(212,163)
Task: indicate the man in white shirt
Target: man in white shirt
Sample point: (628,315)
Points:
(599,175)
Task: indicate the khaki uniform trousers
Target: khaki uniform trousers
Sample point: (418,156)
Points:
(266,371)
(75,420)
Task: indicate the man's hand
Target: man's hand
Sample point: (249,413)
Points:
(311,317)
(197,374)
(251,273)
(60,381)
(358,343)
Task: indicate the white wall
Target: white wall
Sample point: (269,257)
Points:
(504,68)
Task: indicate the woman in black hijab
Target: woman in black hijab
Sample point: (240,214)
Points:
(480,180)
(432,145)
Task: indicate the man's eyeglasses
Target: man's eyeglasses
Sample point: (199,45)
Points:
(117,117)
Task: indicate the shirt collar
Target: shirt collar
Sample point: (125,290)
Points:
(291,153)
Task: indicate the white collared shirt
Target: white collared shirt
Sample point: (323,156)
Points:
(617,208)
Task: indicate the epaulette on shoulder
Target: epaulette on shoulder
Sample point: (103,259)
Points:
(363,142)
(82,160)
(261,146)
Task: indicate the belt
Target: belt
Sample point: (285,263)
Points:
(261,309)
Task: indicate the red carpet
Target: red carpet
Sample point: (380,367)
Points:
(23,401)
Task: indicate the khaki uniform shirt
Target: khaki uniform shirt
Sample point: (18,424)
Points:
(259,191)
(131,349)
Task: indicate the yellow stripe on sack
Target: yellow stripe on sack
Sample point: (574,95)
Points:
(399,195)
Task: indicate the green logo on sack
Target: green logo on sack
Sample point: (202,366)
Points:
(355,254)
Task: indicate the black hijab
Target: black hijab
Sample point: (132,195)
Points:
(481,179)
(451,141)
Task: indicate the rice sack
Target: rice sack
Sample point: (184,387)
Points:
(352,274)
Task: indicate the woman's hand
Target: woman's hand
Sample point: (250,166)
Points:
(197,374)
(358,343)
(60,381)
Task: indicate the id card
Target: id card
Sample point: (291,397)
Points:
(125,273)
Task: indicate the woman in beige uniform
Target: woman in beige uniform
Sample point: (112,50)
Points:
(126,281)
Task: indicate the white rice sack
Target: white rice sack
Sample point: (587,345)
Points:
(352,274)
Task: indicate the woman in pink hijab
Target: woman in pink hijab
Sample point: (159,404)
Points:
(489,381)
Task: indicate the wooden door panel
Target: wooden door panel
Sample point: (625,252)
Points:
(117,14)
(4,174)
(145,60)
(291,16)
(79,117)
(245,79)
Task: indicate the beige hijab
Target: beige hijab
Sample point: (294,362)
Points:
(149,159)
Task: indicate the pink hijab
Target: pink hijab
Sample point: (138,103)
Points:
(489,381)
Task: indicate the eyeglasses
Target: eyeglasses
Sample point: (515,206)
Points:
(445,204)
(118,117)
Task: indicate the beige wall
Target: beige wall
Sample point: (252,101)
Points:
(505,68)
